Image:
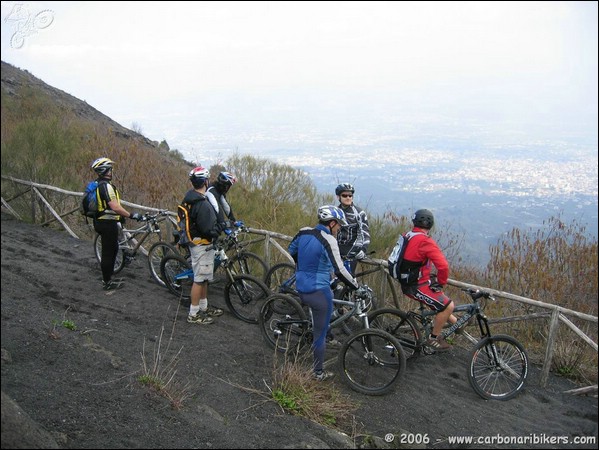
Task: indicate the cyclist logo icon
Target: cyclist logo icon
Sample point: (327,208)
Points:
(27,24)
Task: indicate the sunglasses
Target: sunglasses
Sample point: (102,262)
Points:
(347,195)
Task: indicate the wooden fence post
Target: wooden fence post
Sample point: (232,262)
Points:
(553,327)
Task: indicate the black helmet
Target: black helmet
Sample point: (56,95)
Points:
(423,218)
(344,187)
(224,181)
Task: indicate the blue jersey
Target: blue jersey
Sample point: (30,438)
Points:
(316,254)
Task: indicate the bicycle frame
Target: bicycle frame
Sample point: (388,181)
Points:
(128,244)
(128,236)
(426,317)
(356,309)
(147,229)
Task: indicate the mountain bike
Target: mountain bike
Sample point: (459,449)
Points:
(281,278)
(243,293)
(241,261)
(370,361)
(498,363)
(131,242)
(278,275)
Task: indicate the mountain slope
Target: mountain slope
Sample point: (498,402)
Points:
(82,385)
(15,81)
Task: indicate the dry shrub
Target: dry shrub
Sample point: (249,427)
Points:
(159,373)
(294,389)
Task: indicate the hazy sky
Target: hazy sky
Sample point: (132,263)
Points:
(529,61)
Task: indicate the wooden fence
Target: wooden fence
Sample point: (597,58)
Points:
(39,201)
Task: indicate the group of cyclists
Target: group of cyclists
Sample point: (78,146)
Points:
(334,245)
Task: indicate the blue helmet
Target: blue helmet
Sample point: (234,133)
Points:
(327,213)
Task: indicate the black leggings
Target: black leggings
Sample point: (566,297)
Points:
(109,230)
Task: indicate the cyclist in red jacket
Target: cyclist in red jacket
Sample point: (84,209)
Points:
(421,253)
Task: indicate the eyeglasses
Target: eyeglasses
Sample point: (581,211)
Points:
(347,195)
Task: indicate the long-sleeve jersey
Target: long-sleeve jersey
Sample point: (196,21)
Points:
(356,235)
(423,249)
(223,209)
(316,254)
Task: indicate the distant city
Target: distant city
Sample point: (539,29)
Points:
(478,181)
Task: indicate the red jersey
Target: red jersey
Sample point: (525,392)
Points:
(423,249)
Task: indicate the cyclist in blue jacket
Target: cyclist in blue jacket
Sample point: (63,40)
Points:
(316,254)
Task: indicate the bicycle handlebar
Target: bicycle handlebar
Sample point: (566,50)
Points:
(148,217)
(477,294)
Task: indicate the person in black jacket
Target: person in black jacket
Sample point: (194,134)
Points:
(353,239)
(204,229)
(219,190)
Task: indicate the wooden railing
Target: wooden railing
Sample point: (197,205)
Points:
(270,240)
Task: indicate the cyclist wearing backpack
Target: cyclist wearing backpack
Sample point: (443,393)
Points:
(422,252)
(110,212)
(204,228)
(316,254)
(219,190)
(355,237)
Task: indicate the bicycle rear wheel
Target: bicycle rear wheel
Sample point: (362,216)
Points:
(158,251)
(371,362)
(283,323)
(177,274)
(244,296)
(119,262)
(498,367)
(399,325)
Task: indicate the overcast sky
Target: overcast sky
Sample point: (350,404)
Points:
(534,59)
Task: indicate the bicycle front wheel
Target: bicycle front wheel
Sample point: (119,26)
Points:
(399,325)
(244,295)
(119,262)
(283,323)
(371,362)
(158,251)
(498,367)
(279,276)
(248,263)
(177,274)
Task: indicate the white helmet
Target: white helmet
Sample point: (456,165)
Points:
(102,165)
(327,213)
(199,173)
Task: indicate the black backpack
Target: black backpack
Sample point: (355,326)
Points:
(402,274)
